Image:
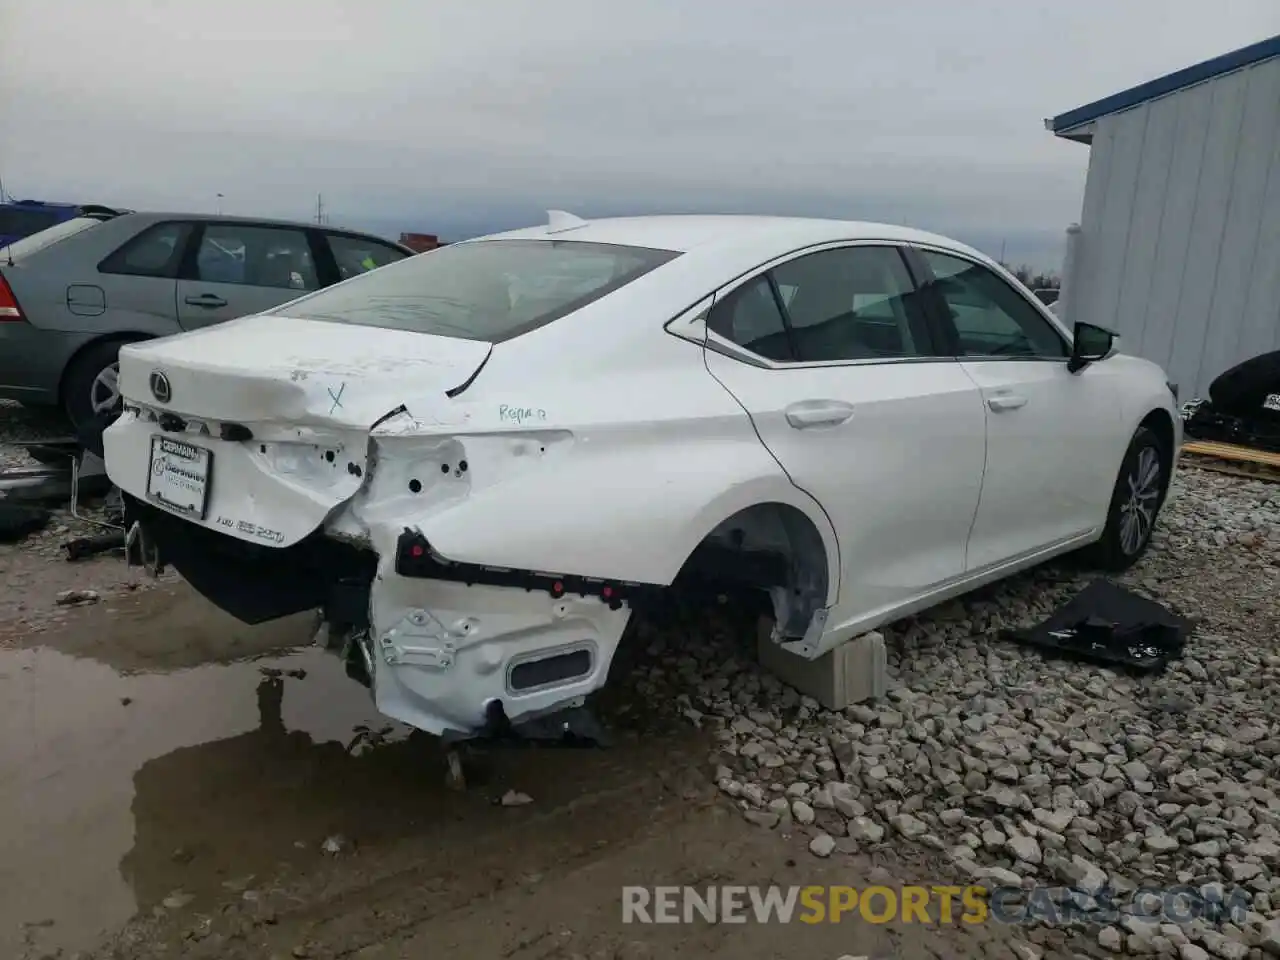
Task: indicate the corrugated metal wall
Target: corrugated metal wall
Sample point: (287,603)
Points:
(1180,235)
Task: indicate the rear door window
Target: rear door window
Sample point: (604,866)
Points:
(256,256)
(489,290)
(853,303)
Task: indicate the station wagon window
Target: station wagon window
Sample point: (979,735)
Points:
(257,256)
(852,303)
(154,252)
(991,319)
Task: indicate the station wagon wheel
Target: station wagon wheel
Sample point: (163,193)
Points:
(1136,500)
(91,388)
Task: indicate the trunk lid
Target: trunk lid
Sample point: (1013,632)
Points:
(296,372)
(259,427)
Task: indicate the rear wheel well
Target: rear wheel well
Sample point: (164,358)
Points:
(772,547)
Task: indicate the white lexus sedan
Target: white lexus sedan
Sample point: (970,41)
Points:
(474,461)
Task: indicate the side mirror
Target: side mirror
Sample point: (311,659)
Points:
(1091,344)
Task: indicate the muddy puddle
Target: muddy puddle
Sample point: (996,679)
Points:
(127,783)
(118,790)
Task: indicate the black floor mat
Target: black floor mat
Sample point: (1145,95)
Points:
(1106,623)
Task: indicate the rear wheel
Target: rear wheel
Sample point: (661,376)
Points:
(1135,503)
(91,386)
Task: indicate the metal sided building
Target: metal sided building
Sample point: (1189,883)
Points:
(1178,246)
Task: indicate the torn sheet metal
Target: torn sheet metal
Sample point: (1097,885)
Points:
(1106,623)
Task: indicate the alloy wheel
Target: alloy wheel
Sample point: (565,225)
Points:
(104,392)
(1138,512)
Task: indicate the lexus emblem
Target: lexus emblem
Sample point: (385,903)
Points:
(160,388)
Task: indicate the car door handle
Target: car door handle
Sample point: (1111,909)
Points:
(1006,402)
(206,300)
(818,413)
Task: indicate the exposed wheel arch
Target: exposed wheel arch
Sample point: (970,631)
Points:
(771,546)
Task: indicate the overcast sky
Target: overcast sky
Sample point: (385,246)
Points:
(462,116)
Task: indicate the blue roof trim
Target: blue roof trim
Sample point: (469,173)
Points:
(1245,56)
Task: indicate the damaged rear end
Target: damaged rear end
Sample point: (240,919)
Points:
(289,463)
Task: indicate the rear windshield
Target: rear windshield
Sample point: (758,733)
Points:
(38,241)
(489,290)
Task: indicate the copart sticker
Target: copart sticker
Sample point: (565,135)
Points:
(257,531)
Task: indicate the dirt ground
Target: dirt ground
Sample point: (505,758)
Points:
(176,784)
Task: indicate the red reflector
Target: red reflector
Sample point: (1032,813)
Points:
(607,592)
(416,550)
(557,587)
(9,309)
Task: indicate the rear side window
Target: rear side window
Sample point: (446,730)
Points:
(356,255)
(256,256)
(155,252)
(491,290)
(749,317)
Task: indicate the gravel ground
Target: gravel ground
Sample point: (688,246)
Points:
(1025,771)
(986,761)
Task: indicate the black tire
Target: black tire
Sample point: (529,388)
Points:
(21,520)
(1128,531)
(79,379)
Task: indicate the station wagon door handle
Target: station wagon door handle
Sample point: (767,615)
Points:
(818,413)
(1006,402)
(206,300)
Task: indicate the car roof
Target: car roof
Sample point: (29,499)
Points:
(686,233)
(39,205)
(153,216)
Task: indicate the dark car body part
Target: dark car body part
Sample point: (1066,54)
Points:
(22,218)
(1237,410)
(1106,623)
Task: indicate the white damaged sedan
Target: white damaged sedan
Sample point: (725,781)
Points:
(474,461)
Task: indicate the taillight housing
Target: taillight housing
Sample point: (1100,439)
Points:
(9,309)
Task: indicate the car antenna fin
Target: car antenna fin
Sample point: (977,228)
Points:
(559,221)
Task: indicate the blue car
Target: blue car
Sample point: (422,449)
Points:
(22,218)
